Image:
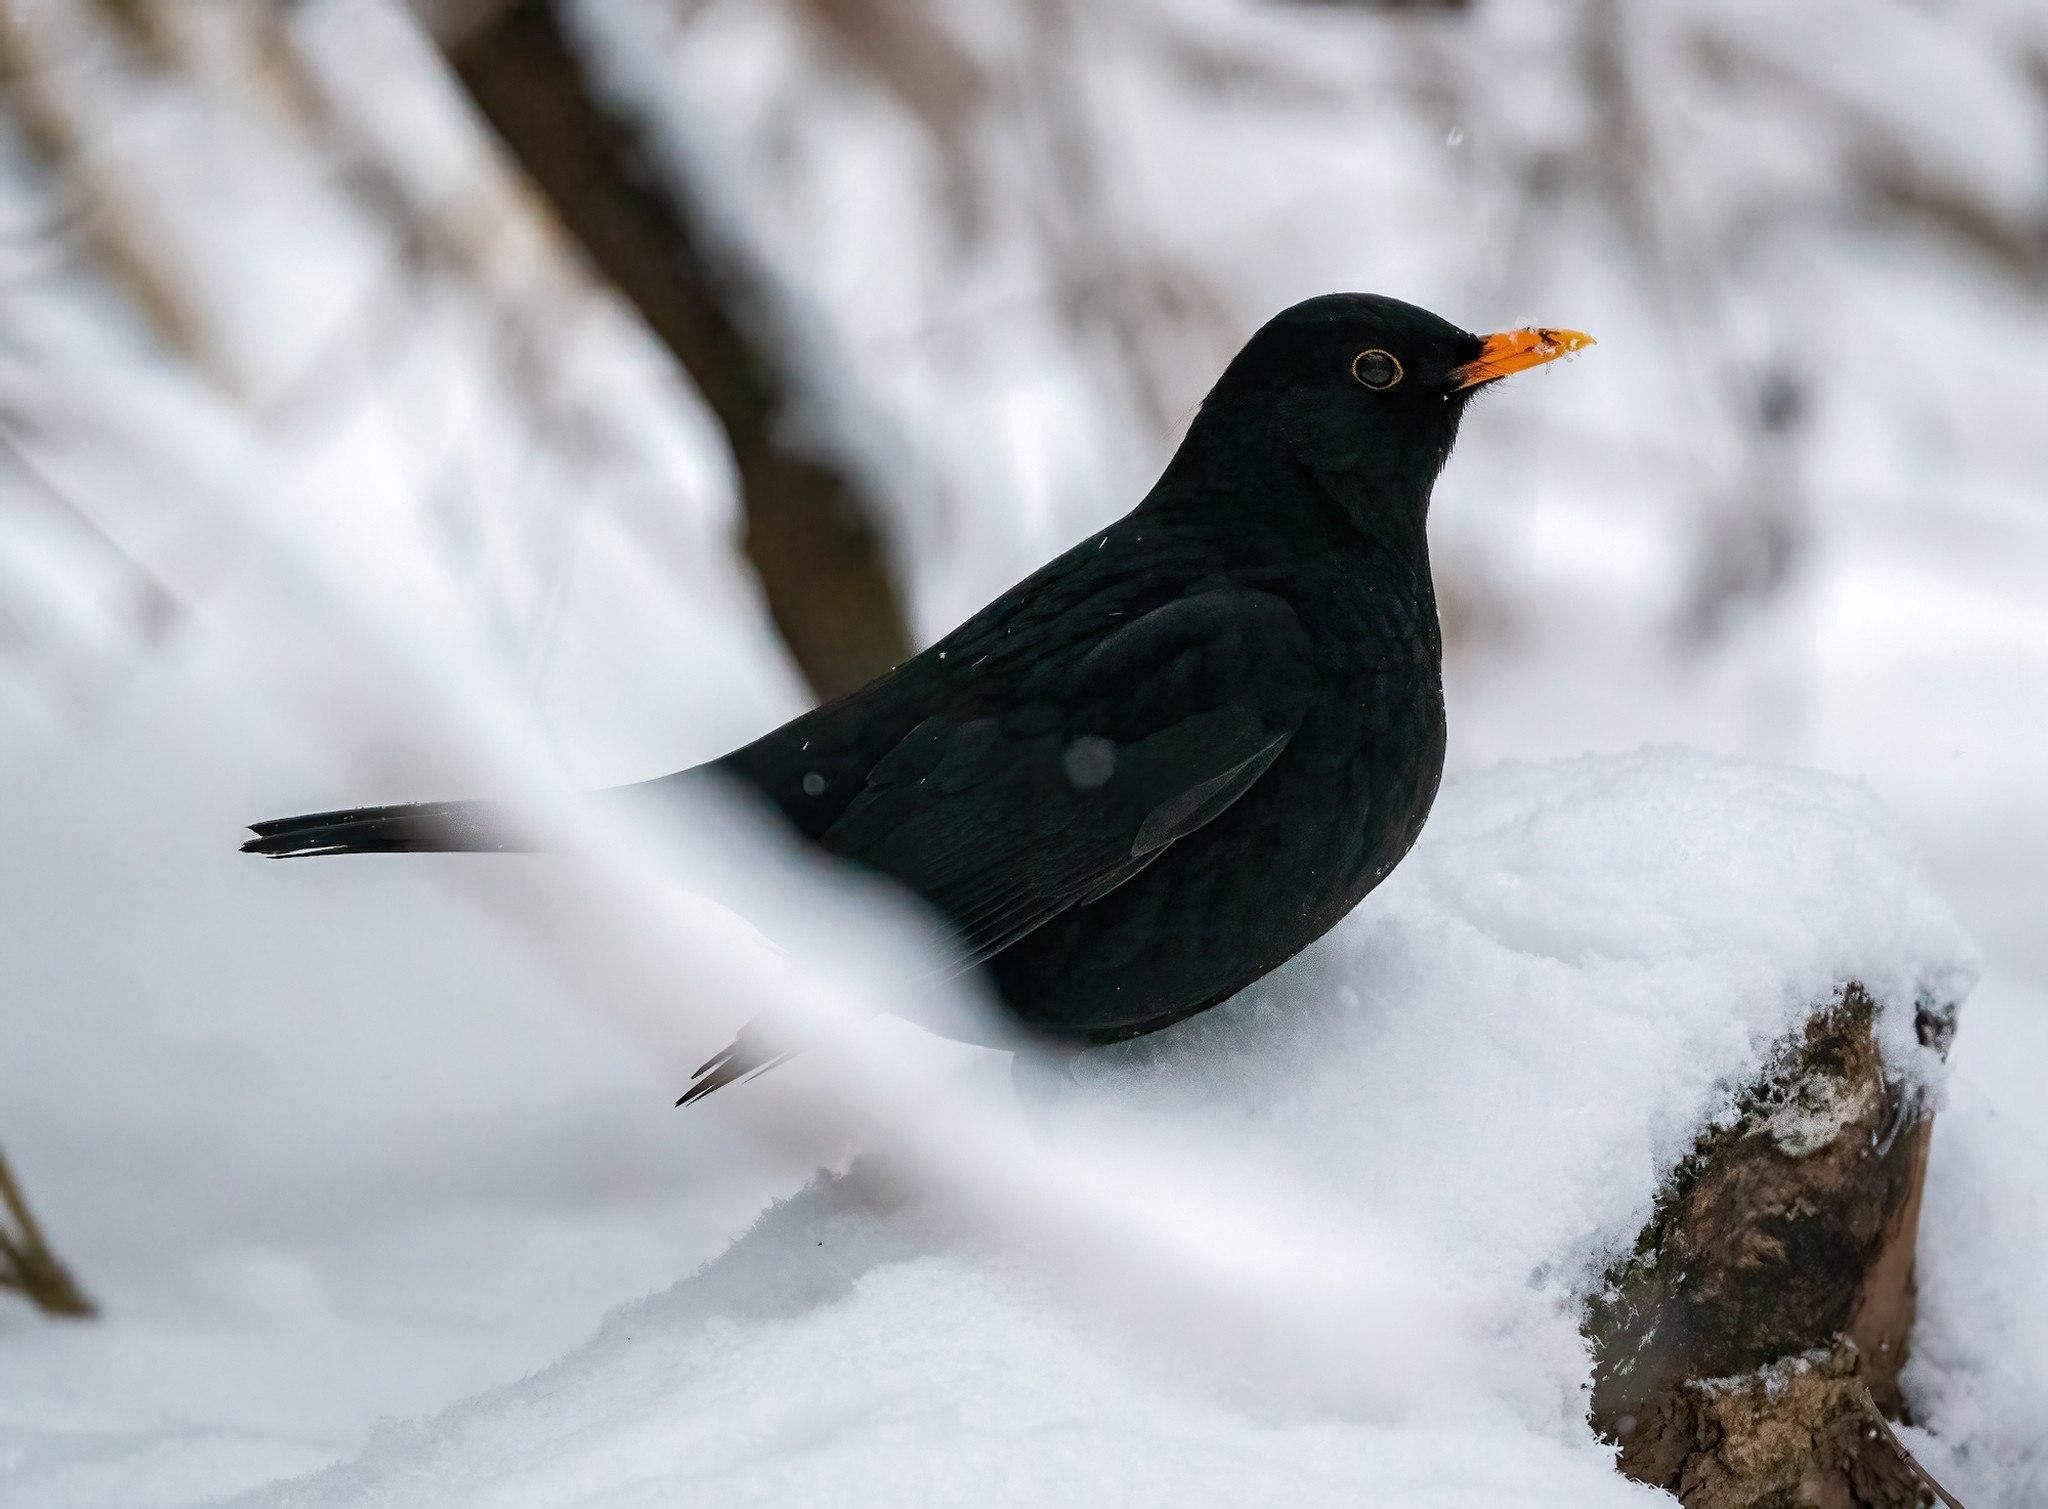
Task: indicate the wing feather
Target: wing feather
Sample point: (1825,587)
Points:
(993,819)
(1019,797)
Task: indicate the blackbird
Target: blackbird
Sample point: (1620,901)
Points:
(1167,762)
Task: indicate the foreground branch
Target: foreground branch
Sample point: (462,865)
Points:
(27,1265)
(810,530)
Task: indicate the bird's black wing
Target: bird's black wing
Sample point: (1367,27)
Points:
(1057,781)
(1051,782)
(1009,810)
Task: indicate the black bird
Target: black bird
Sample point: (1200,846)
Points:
(1168,761)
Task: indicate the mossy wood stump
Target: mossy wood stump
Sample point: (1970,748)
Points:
(1747,1352)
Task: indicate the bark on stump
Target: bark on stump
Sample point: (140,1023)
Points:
(1748,1350)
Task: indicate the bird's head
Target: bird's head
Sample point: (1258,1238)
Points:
(1366,392)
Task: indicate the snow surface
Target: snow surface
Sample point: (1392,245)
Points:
(1469,1091)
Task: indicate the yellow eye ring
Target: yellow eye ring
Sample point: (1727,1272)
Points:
(1376,369)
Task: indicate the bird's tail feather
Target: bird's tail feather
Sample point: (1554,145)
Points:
(742,1058)
(471,827)
(415,828)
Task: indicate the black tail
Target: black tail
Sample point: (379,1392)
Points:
(417,828)
(742,1058)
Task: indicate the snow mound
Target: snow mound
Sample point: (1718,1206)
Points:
(1485,1070)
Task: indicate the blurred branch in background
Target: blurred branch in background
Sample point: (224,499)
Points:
(1116,282)
(1752,520)
(436,251)
(76,607)
(114,227)
(811,529)
(902,50)
(1036,117)
(27,1265)
(1895,179)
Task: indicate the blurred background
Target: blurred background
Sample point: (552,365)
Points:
(393,399)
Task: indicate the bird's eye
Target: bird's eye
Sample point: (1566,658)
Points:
(1376,368)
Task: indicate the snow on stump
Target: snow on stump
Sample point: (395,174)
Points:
(1749,1347)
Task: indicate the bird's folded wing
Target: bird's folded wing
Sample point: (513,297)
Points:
(1003,816)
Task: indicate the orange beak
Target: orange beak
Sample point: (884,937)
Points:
(1516,351)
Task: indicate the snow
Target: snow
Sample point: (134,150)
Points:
(1979,1371)
(1465,1098)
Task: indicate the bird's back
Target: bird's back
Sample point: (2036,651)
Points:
(1320,664)
(1330,819)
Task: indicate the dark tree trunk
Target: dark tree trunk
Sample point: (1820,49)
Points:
(1748,1350)
(810,531)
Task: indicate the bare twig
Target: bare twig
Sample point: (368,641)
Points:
(26,1264)
(1882,1428)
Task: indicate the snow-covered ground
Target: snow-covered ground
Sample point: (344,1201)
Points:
(1364,1200)
(340,1146)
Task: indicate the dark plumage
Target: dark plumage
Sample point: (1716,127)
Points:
(1177,755)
